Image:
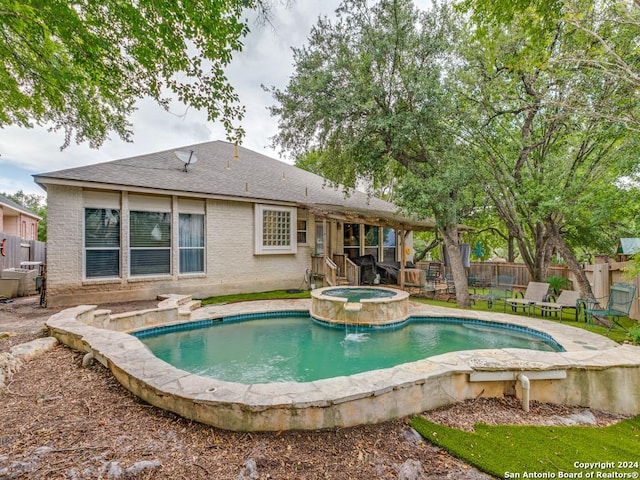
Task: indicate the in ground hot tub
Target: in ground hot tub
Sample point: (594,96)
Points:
(359,305)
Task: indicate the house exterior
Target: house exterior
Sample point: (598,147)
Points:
(627,248)
(233,221)
(17,221)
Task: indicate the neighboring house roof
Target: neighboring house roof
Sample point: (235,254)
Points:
(218,173)
(629,246)
(14,207)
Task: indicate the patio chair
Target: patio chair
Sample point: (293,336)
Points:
(621,297)
(434,272)
(566,299)
(451,287)
(500,289)
(535,292)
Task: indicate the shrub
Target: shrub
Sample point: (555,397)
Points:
(557,283)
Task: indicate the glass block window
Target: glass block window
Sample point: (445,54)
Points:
(150,243)
(101,243)
(275,229)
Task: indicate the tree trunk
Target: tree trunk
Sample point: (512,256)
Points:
(568,256)
(419,256)
(511,251)
(452,244)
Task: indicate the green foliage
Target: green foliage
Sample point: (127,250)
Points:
(367,91)
(80,67)
(557,283)
(36,204)
(634,334)
(243,297)
(534,124)
(534,448)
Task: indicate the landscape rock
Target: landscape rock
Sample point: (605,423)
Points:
(143,465)
(411,470)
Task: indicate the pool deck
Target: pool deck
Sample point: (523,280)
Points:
(593,371)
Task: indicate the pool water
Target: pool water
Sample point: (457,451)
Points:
(294,348)
(357,294)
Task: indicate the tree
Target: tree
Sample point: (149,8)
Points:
(367,91)
(606,29)
(36,204)
(80,66)
(541,144)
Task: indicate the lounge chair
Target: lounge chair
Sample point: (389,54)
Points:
(500,289)
(621,297)
(434,272)
(566,299)
(535,292)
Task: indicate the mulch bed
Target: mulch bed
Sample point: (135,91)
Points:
(62,421)
(59,420)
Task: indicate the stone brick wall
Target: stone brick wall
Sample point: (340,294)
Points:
(231,266)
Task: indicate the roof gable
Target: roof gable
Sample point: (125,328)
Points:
(5,202)
(222,170)
(629,246)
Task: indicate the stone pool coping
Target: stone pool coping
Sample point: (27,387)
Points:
(367,311)
(598,372)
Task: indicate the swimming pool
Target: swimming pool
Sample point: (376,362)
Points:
(592,371)
(291,347)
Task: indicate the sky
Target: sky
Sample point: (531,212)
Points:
(266,59)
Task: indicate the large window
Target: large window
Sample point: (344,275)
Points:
(352,239)
(319,238)
(191,243)
(101,242)
(389,245)
(371,240)
(275,229)
(150,243)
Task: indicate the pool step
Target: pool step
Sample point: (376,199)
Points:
(185,309)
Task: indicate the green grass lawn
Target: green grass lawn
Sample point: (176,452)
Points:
(513,451)
(568,316)
(244,297)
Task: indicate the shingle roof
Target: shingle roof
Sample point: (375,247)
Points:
(218,172)
(16,206)
(629,246)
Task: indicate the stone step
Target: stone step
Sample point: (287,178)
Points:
(185,309)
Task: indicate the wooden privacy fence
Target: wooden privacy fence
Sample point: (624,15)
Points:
(602,275)
(14,250)
(488,270)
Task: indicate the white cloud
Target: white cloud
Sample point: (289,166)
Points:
(266,59)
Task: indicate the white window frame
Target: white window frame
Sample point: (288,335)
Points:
(133,249)
(304,230)
(202,248)
(260,247)
(85,248)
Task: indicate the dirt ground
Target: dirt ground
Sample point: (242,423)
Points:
(60,420)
